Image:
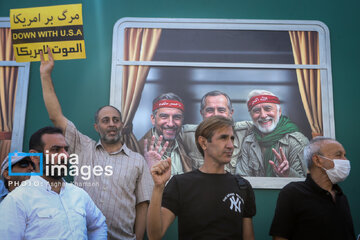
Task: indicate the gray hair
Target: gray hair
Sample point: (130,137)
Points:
(166,96)
(258,92)
(313,147)
(213,94)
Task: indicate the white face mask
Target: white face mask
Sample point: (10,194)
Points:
(340,171)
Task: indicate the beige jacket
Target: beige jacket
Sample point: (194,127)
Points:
(251,162)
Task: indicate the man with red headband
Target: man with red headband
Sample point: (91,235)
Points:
(167,118)
(275,146)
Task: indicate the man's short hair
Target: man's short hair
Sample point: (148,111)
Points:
(208,127)
(166,96)
(214,94)
(96,116)
(36,142)
(313,147)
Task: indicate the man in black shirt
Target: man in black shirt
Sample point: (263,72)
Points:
(210,203)
(317,208)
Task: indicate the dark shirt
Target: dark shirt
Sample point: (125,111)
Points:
(306,211)
(209,206)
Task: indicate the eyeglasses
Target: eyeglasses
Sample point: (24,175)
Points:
(25,163)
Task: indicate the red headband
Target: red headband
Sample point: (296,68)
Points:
(168,104)
(262,99)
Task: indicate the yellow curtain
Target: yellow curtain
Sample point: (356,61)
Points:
(305,46)
(140,45)
(8,83)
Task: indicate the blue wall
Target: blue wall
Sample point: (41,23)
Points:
(83,85)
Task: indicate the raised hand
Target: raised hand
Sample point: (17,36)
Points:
(151,154)
(282,169)
(161,172)
(46,67)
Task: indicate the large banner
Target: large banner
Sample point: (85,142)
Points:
(194,59)
(59,27)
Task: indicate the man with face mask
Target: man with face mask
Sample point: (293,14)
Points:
(274,147)
(167,118)
(317,208)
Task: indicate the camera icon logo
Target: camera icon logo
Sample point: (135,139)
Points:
(16,156)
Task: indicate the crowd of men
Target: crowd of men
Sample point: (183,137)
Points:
(193,172)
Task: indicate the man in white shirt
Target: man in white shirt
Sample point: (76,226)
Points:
(47,206)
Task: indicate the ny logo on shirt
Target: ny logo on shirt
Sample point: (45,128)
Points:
(235,201)
(235,204)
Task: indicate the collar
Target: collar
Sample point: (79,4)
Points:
(251,137)
(320,190)
(37,181)
(124,149)
(236,141)
(285,139)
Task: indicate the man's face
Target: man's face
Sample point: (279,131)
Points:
(167,122)
(216,106)
(331,150)
(23,166)
(221,147)
(109,125)
(56,149)
(265,116)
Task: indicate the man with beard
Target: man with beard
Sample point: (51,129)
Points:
(122,197)
(167,118)
(275,146)
(19,164)
(215,103)
(46,206)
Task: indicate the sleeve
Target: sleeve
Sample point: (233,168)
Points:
(243,125)
(284,217)
(145,183)
(75,139)
(249,204)
(187,133)
(141,142)
(95,221)
(171,196)
(297,143)
(12,220)
(242,167)
(187,136)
